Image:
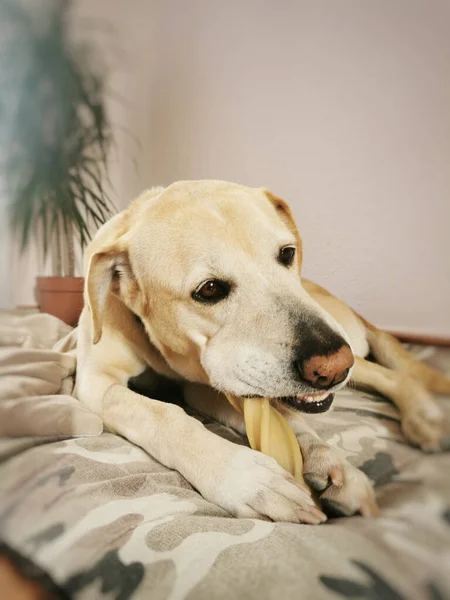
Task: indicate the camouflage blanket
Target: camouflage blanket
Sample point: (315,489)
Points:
(105,520)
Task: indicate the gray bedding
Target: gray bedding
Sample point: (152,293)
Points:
(105,520)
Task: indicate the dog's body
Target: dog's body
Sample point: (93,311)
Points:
(199,283)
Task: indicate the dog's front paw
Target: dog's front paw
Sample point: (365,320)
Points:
(425,427)
(255,486)
(345,490)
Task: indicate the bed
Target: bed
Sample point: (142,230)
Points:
(93,516)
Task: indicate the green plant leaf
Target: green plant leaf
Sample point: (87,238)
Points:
(55,133)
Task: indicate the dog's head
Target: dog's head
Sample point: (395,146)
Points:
(212,269)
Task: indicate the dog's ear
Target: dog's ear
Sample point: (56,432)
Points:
(284,212)
(109,270)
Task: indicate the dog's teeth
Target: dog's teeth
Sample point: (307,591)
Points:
(314,398)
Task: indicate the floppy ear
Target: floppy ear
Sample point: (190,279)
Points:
(284,212)
(108,271)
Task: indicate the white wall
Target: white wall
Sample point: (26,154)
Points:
(342,107)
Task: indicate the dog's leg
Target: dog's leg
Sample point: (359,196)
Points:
(422,419)
(344,489)
(240,480)
(389,352)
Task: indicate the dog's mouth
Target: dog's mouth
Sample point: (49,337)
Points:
(310,403)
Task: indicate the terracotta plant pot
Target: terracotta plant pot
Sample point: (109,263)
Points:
(61,297)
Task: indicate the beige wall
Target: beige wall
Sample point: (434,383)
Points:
(341,106)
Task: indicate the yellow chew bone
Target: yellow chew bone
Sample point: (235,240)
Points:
(270,433)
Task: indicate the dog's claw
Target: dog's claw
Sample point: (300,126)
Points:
(337,476)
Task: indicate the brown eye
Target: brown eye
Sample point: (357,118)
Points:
(286,255)
(211,291)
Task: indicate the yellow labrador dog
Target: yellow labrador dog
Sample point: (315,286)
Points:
(200,283)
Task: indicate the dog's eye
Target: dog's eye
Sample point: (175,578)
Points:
(211,291)
(286,255)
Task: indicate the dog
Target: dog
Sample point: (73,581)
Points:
(199,284)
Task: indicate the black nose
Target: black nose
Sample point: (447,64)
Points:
(323,357)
